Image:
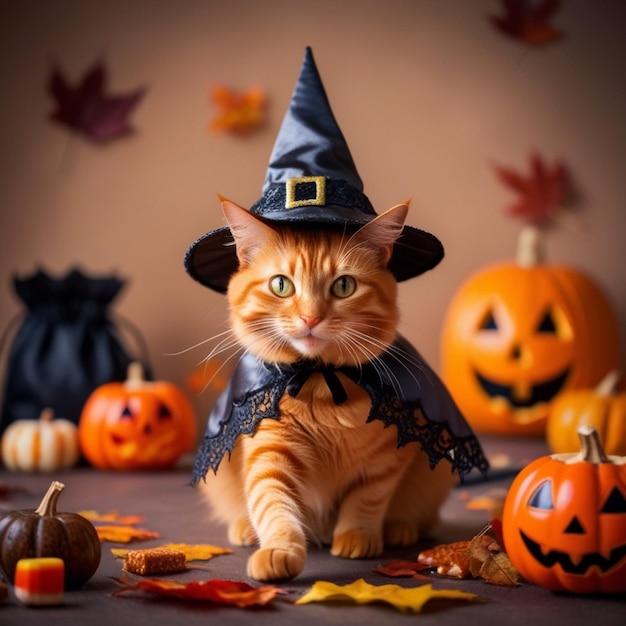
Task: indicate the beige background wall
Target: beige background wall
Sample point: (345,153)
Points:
(426,92)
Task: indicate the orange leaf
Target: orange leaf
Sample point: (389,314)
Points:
(111,516)
(492,501)
(482,557)
(124,534)
(217,591)
(238,112)
(451,559)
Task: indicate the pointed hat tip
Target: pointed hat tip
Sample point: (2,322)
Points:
(310,142)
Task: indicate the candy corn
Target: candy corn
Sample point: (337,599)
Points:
(40,581)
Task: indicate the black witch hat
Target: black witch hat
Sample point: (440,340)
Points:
(311,179)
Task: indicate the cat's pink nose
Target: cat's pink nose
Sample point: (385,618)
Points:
(310,321)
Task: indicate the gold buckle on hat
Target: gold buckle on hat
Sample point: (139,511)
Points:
(291,199)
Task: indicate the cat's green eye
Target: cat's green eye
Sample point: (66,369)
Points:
(344,287)
(282,286)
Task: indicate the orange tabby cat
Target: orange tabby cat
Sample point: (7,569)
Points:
(320,473)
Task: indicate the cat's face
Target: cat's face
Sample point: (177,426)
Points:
(313,294)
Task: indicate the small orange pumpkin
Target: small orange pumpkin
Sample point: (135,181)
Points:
(564,520)
(136,424)
(518,334)
(603,407)
(43,445)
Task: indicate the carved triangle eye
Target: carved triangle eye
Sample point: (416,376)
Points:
(164,412)
(615,503)
(126,413)
(489,322)
(547,324)
(542,497)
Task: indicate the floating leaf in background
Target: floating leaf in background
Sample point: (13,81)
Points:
(361,592)
(217,591)
(541,193)
(528,21)
(239,113)
(88,110)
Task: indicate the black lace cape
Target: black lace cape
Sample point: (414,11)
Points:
(404,391)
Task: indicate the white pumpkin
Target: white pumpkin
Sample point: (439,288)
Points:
(42,445)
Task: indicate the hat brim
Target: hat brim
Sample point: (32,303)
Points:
(212,259)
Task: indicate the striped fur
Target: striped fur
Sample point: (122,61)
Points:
(319,474)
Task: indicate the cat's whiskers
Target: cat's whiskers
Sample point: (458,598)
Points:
(264,338)
(383,370)
(406,359)
(364,347)
(344,343)
(236,353)
(201,343)
(227,343)
(401,357)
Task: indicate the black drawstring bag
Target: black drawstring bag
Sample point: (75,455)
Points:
(66,346)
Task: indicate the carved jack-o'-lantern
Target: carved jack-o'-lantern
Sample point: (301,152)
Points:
(564,520)
(136,424)
(517,334)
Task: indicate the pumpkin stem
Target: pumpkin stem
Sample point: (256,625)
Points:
(47,414)
(590,447)
(48,505)
(134,375)
(606,387)
(529,248)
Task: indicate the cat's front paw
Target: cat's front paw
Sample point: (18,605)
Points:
(357,544)
(275,564)
(241,533)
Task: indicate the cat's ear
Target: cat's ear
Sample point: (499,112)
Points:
(382,232)
(249,232)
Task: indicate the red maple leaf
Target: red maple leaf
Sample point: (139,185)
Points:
(541,193)
(399,569)
(528,21)
(87,109)
(217,591)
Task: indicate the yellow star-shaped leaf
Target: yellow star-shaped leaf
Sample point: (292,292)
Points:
(361,592)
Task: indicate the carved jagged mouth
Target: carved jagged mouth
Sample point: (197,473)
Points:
(567,565)
(543,392)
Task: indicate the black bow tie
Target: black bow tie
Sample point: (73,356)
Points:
(300,373)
